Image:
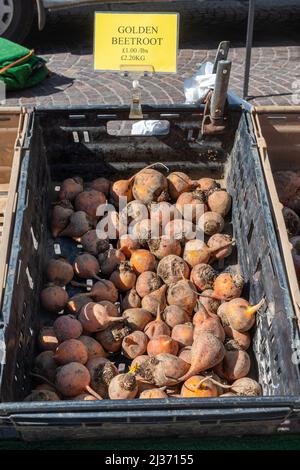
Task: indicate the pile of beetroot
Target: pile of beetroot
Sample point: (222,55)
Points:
(161,318)
(288,189)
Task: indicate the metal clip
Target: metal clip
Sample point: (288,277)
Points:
(136,108)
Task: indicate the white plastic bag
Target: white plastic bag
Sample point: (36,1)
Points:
(150,127)
(197,87)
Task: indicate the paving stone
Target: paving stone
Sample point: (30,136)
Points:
(66,43)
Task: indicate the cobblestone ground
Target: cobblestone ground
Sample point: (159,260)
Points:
(275,77)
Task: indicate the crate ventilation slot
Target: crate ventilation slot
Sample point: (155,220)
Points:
(86,136)
(106,116)
(250,233)
(29,277)
(257,274)
(34,240)
(75,137)
(77,117)
(271,264)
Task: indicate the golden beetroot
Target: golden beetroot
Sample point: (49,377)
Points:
(220,245)
(207,351)
(94,318)
(186,354)
(180,229)
(54,298)
(85,397)
(235,365)
(172,269)
(162,213)
(71,350)
(47,339)
(207,323)
(135,211)
(59,271)
(86,266)
(202,314)
(123,277)
(121,188)
(178,183)
(123,387)
(219,201)
(131,300)
(228,286)
(142,261)
(101,185)
(164,246)
(109,224)
(78,225)
(209,302)
(164,370)
(137,318)
(150,186)
(42,395)
(102,371)
(211,223)
(191,205)
(92,346)
(174,315)
(147,282)
(127,244)
(195,388)
(70,188)
(246,387)
(162,344)
(141,231)
(222,314)
(111,338)
(236,340)
(203,276)
(45,386)
(155,300)
(45,365)
(157,327)
(183,334)
(60,217)
(241,315)
(67,327)
(183,295)
(89,201)
(72,379)
(196,252)
(207,184)
(153,393)
(134,345)
(110,260)
(94,245)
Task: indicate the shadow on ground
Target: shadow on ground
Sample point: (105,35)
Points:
(203,24)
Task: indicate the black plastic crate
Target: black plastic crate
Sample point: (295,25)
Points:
(63,142)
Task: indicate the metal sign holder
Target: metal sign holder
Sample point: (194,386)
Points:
(136,72)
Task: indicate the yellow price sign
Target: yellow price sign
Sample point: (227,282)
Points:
(139,42)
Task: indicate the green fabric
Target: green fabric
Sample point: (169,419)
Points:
(27,73)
